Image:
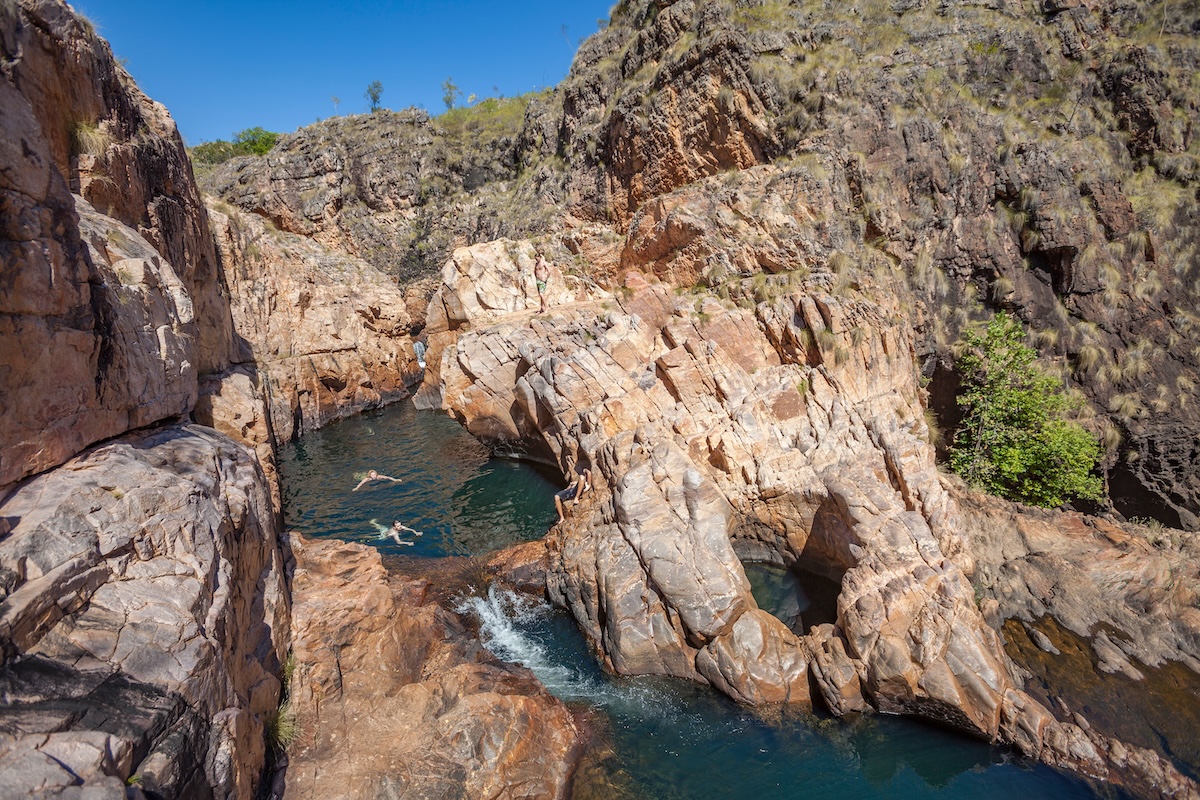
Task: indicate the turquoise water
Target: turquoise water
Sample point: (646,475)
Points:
(464,501)
(671,739)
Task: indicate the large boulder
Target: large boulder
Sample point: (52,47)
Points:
(143,618)
(394,698)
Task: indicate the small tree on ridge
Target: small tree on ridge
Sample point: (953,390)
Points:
(373,93)
(450,93)
(1016,439)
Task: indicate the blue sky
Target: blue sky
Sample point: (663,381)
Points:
(224,65)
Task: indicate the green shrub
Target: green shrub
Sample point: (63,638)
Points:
(1016,439)
(256,141)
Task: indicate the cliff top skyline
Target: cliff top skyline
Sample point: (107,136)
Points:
(222,66)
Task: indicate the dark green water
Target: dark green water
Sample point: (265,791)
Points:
(672,739)
(464,501)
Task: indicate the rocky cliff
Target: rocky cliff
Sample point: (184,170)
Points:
(792,433)
(1036,158)
(145,588)
(144,612)
(768,221)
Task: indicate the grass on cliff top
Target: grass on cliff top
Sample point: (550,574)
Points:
(492,116)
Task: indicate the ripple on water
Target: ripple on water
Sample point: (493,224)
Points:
(462,500)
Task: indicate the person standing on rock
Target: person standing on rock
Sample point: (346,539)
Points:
(581,484)
(541,274)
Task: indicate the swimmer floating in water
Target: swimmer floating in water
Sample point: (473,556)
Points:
(393,532)
(375,476)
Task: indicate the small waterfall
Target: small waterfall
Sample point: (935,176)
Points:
(517,629)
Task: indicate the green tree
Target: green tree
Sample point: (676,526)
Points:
(255,141)
(374,92)
(1016,439)
(450,93)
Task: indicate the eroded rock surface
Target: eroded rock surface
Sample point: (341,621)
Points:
(328,334)
(111,305)
(143,620)
(791,433)
(394,698)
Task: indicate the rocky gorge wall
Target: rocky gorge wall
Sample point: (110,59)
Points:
(791,433)
(144,611)
(1035,158)
(752,249)
(146,590)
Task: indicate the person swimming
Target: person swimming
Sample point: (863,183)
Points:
(394,531)
(375,476)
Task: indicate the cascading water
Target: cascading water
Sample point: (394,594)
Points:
(671,739)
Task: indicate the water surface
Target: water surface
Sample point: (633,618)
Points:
(464,501)
(670,739)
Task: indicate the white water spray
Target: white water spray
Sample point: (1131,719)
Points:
(512,627)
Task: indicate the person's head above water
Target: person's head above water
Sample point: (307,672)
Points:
(373,475)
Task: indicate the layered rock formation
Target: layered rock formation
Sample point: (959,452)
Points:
(459,182)
(394,698)
(143,620)
(329,334)
(792,433)
(1037,159)
(1040,159)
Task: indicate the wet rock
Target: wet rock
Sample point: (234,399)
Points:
(393,696)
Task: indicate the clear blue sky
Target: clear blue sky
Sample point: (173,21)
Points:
(224,65)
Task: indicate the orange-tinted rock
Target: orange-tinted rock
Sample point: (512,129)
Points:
(392,695)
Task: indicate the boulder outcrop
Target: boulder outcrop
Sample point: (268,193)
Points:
(792,433)
(143,619)
(393,697)
(328,334)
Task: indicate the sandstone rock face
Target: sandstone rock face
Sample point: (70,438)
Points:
(144,618)
(136,171)
(792,433)
(1017,206)
(394,698)
(401,190)
(1091,575)
(327,333)
(111,304)
(931,143)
